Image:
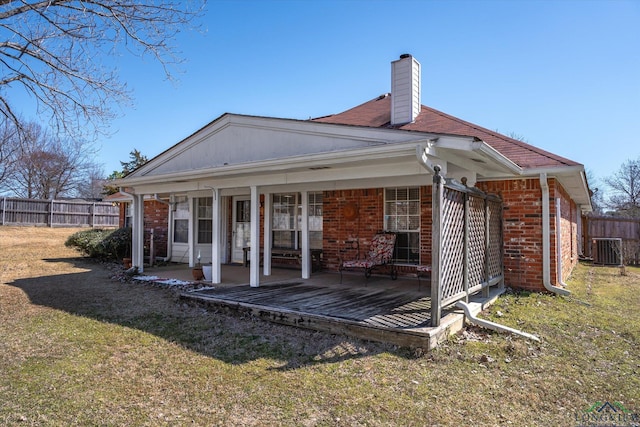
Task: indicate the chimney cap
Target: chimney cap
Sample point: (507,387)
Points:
(405,55)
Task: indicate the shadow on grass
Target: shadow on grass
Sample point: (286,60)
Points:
(234,339)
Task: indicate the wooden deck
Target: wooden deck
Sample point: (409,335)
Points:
(381,314)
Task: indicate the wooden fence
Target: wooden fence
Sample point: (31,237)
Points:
(606,227)
(58,213)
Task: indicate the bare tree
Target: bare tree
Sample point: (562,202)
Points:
(92,188)
(625,189)
(46,167)
(51,48)
(597,195)
(9,146)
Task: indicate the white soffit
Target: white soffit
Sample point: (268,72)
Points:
(474,155)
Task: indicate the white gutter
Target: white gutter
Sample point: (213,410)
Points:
(491,325)
(488,151)
(546,239)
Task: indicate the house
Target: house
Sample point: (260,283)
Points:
(324,187)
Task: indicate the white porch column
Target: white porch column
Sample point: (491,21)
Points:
(254,273)
(304,231)
(137,232)
(215,237)
(193,256)
(267,235)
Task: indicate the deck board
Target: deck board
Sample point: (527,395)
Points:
(386,308)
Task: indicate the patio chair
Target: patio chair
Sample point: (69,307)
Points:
(380,254)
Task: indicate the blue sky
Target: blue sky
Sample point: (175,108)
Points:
(565,75)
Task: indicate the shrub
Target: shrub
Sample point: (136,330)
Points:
(97,243)
(117,245)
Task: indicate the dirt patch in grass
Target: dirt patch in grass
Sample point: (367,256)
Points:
(79,348)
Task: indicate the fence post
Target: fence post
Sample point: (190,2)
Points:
(51,214)
(465,249)
(487,244)
(93,215)
(436,246)
(4,210)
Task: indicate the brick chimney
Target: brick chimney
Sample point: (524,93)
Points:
(405,90)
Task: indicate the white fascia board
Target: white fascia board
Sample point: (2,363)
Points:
(560,170)
(361,176)
(376,153)
(123,199)
(451,147)
(491,153)
(573,179)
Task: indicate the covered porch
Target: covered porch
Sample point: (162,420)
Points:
(305,187)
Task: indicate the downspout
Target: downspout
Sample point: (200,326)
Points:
(546,240)
(492,325)
(169,230)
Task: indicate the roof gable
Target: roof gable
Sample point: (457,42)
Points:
(377,113)
(234,140)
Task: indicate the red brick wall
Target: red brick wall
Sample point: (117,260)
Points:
(339,233)
(569,212)
(522,228)
(426,196)
(522,231)
(156,217)
(122,214)
(337,230)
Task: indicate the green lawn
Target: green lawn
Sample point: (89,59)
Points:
(78,348)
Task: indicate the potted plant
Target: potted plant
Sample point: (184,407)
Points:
(197,270)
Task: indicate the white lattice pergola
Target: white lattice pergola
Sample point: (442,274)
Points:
(466,244)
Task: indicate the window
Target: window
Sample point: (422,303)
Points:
(128,215)
(402,215)
(315,220)
(287,220)
(181,220)
(205,219)
(284,223)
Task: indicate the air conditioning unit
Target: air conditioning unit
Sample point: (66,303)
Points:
(606,251)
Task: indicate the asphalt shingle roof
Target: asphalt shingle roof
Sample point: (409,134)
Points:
(377,112)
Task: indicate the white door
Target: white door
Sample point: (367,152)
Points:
(241,227)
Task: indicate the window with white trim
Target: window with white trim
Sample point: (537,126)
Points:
(315,220)
(402,215)
(204,219)
(181,220)
(128,214)
(286,222)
